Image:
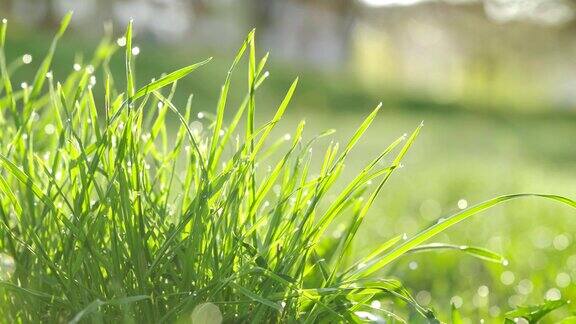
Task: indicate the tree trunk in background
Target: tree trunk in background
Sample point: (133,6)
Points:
(105,10)
(262,11)
(50,19)
(6,8)
(346,9)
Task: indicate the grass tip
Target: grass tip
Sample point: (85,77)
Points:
(422,124)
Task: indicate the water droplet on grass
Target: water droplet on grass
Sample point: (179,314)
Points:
(121,41)
(367,316)
(457,301)
(553,294)
(27,58)
(49,129)
(77,67)
(135,50)
(462,203)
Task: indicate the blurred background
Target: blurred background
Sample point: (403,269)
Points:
(493,80)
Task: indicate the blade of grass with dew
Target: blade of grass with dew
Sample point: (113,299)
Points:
(477,252)
(442,225)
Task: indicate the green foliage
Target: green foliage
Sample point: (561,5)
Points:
(534,313)
(109,215)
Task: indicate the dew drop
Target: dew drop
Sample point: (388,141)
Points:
(121,41)
(27,58)
(553,294)
(462,203)
(49,129)
(457,301)
(135,50)
(77,67)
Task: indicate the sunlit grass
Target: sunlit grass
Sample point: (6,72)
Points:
(109,215)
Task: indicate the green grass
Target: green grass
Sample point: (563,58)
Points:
(110,213)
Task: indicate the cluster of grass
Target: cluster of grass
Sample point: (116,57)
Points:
(105,216)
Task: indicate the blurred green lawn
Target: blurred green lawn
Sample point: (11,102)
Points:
(463,152)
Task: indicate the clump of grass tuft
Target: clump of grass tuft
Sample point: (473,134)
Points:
(107,217)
